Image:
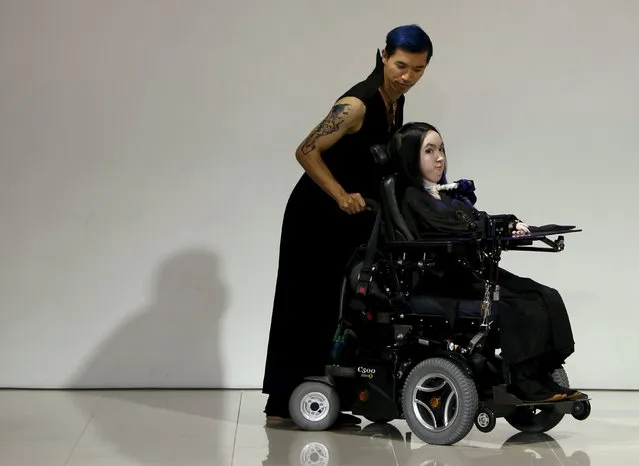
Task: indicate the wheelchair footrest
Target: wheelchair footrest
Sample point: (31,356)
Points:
(503,398)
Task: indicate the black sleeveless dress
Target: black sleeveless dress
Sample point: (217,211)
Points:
(317,240)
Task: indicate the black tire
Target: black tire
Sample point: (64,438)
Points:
(485,421)
(581,410)
(458,387)
(546,418)
(314,406)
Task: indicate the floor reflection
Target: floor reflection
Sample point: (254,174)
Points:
(386,445)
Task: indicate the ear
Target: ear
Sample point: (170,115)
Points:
(385,56)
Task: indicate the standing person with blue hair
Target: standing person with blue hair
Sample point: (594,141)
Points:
(323,221)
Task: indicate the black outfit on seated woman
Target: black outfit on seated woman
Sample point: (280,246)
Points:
(317,240)
(535,331)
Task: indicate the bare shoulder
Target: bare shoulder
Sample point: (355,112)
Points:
(354,109)
(345,117)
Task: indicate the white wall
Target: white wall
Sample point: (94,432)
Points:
(147,154)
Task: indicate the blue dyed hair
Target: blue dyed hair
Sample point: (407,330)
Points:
(410,38)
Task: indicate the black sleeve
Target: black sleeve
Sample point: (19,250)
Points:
(427,220)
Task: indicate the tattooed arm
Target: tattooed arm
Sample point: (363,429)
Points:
(346,116)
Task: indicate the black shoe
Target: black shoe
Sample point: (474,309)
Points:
(532,391)
(570,393)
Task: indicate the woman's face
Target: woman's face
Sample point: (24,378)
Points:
(432,157)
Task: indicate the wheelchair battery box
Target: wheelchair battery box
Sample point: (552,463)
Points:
(375,390)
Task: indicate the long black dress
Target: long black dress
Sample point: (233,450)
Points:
(317,240)
(533,320)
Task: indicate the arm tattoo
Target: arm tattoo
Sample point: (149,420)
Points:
(329,125)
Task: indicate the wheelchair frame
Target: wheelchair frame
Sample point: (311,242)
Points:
(382,353)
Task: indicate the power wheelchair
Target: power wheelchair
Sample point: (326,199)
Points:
(442,375)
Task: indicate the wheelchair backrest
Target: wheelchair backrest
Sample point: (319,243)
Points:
(395,226)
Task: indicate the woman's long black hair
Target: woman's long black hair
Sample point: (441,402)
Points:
(404,150)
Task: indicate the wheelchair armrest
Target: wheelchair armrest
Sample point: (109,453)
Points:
(497,231)
(524,243)
(435,244)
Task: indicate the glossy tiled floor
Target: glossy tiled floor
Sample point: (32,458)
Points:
(218,428)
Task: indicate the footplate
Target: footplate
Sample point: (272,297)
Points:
(501,397)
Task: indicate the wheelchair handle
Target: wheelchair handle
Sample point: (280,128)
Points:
(371,204)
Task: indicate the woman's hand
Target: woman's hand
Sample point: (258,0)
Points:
(521,229)
(351,203)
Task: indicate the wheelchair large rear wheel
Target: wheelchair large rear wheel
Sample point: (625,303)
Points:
(541,419)
(314,406)
(439,401)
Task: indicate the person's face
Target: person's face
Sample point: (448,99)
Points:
(432,157)
(403,69)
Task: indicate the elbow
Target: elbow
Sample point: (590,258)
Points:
(304,156)
(301,158)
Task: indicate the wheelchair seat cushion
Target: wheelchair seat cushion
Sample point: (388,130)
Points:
(451,307)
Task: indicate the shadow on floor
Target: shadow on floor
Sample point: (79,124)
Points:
(172,341)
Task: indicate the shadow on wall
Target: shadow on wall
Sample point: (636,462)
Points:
(172,342)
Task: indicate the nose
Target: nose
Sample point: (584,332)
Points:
(407,77)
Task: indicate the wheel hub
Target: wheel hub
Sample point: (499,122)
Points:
(483,420)
(439,410)
(314,406)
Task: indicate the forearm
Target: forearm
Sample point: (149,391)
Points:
(442,225)
(317,170)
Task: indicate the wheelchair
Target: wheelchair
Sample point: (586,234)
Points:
(442,374)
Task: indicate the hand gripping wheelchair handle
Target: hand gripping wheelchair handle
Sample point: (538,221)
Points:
(371,204)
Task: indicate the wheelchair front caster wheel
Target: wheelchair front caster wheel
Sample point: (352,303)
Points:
(485,420)
(314,406)
(581,410)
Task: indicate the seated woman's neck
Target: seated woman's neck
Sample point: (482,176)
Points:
(430,187)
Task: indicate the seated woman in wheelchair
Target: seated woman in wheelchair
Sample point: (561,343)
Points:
(535,331)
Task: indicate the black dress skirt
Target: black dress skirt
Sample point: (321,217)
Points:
(317,240)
